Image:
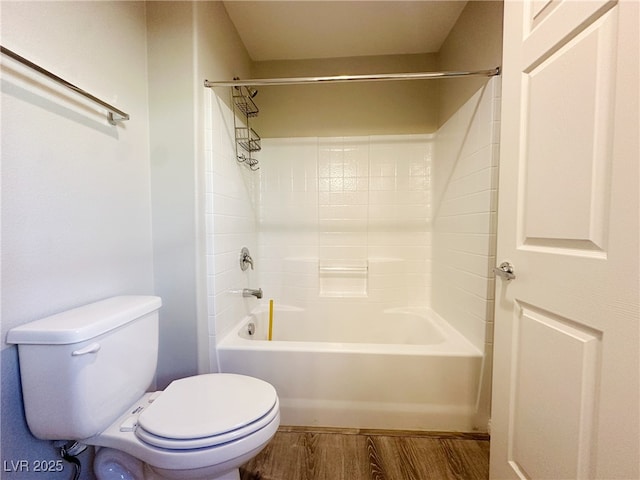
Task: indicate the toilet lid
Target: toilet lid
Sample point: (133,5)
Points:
(206,406)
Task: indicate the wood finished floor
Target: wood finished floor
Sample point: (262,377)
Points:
(322,454)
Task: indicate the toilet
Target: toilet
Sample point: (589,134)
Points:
(86,374)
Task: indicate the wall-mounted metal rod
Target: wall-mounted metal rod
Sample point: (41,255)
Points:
(256,82)
(110,108)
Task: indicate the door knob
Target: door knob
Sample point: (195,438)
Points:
(504,270)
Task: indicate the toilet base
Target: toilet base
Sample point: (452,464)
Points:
(232,475)
(154,475)
(111,464)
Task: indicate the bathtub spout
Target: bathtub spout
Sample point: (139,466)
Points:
(248,292)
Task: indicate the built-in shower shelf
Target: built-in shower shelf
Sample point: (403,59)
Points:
(340,278)
(248,139)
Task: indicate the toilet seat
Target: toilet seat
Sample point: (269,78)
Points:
(207,410)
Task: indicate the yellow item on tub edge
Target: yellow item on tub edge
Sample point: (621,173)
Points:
(270,319)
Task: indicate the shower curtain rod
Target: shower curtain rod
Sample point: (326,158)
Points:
(256,82)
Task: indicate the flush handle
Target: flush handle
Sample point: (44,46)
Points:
(93,348)
(505,270)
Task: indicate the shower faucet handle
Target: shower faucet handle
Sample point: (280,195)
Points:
(245,259)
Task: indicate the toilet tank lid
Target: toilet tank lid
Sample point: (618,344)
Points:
(85,322)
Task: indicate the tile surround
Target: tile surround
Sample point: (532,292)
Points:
(231,197)
(361,199)
(465,211)
(418,210)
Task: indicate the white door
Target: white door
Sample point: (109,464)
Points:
(566,375)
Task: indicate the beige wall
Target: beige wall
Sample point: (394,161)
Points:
(187,42)
(170,67)
(474,43)
(375,108)
(369,108)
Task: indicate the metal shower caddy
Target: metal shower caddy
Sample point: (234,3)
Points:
(247,140)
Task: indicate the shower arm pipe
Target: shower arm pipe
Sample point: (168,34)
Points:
(257,82)
(111,110)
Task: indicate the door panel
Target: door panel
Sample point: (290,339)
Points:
(554,385)
(566,377)
(539,10)
(547,27)
(566,126)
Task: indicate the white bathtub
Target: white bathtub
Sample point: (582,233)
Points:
(397,369)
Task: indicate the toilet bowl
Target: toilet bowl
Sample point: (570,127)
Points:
(84,374)
(110,464)
(190,431)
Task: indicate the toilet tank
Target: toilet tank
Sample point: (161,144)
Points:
(81,369)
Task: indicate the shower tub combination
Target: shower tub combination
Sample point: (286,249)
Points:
(337,366)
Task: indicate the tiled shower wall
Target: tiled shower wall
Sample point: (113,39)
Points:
(349,219)
(346,219)
(231,191)
(464,215)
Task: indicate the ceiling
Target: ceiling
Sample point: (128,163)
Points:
(302,29)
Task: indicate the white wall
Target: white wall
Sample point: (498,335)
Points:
(76,210)
(335,202)
(346,202)
(465,183)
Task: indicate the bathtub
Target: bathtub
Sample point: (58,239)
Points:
(404,369)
